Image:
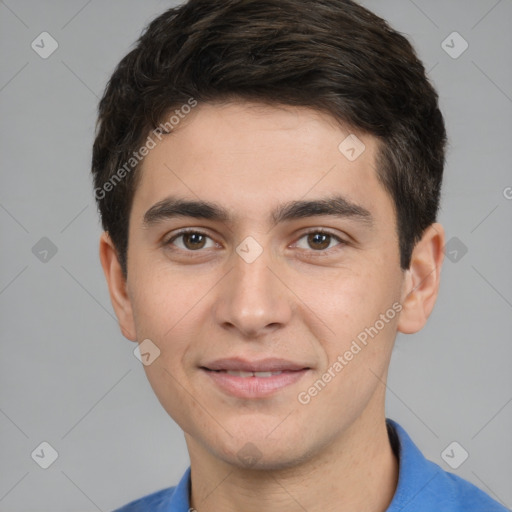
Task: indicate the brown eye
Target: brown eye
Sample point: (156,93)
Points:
(191,240)
(320,240)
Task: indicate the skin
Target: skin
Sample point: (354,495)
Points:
(201,304)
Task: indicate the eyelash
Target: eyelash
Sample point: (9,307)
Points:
(342,242)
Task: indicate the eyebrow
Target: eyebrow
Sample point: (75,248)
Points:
(335,206)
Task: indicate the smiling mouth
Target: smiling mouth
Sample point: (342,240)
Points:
(241,373)
(254,384)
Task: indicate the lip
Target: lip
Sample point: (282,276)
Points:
(254,387)
(263,365)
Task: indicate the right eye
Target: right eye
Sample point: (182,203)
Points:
(192,240)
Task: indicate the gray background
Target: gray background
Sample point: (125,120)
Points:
(68,376)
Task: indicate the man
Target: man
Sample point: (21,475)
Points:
(268,175)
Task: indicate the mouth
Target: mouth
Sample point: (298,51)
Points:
(244,379)
(238,364)
(241,373)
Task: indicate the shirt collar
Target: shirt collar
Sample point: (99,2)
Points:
(416,474)
(179,501)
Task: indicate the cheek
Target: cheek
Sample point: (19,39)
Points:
(358,321)
(156,316)
(159,299)
(166,317)
(346,302)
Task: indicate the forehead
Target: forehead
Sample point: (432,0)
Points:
(252,159)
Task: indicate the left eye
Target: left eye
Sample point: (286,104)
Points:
(320,240)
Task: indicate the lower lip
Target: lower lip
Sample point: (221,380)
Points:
(254,387)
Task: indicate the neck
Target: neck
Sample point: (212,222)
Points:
(357,471)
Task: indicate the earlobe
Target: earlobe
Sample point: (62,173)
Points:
(117,287)
(422,280)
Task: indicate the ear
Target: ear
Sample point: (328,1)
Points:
(117,287)
(422,280)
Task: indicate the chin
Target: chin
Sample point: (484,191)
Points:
(256,452)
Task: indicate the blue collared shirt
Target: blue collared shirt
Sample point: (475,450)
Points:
(422,486)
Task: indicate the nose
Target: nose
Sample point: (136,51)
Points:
(253,299)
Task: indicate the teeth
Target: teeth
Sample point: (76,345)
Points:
(251,374)
(239,374)
(266,374)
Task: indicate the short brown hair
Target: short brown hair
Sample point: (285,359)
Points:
(331,55)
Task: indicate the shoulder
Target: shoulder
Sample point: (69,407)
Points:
(157,502)
(467,496)
(423,486)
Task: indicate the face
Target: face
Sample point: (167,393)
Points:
(261,282)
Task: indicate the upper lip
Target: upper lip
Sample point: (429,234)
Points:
(263,365)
